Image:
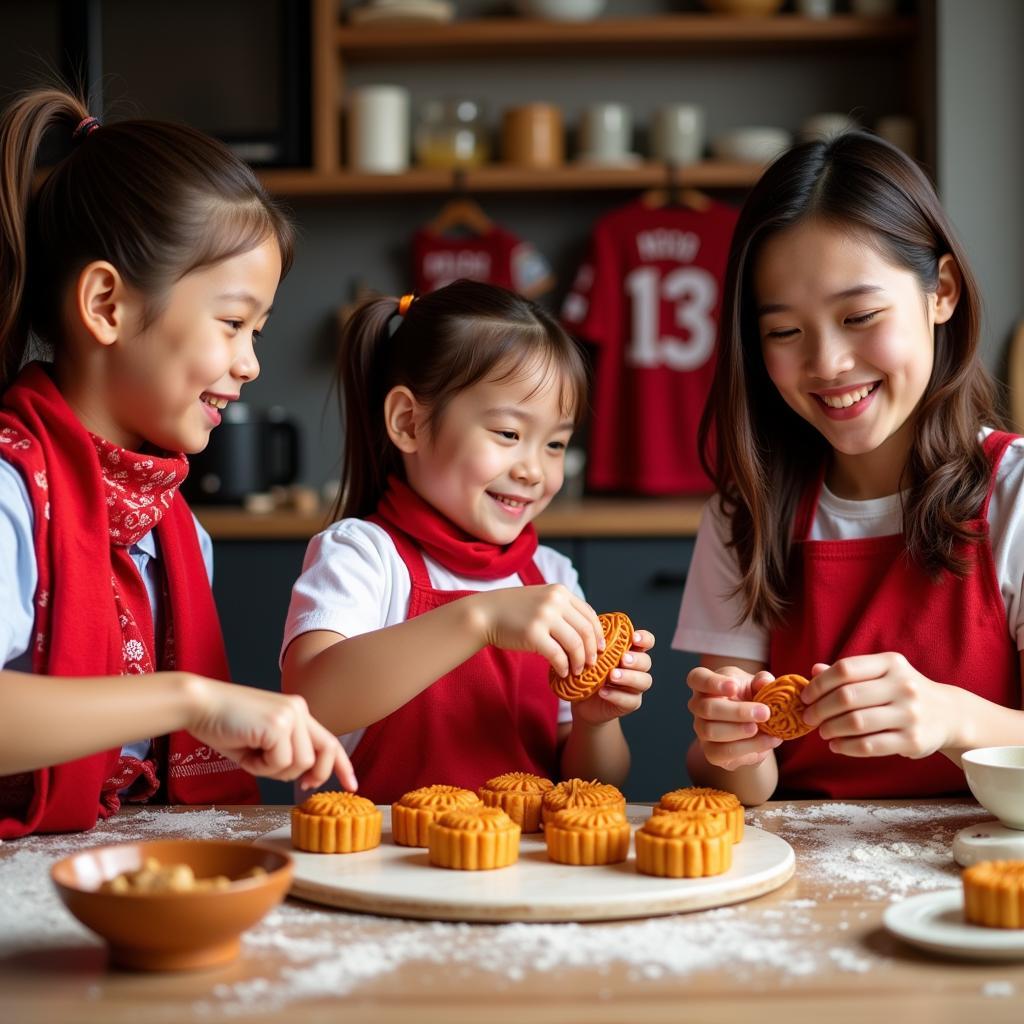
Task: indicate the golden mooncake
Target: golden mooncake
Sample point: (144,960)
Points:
(710,801)
(580,793)
(336,823)
(994,893)
(684,844)
(782,696)
(520,795)
(618,638)
(588,835)
(412,814)
(474,839)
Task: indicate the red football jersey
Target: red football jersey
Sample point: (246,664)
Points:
(497,257)
(649,297)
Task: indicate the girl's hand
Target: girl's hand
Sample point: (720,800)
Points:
(878,704)
(549,620)
(725,716)
(625,687)
(271,734)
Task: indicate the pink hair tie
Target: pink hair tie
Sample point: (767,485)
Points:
(85,127)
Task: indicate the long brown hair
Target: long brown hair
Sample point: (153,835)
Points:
(761,454)
(157,200)
(447,341)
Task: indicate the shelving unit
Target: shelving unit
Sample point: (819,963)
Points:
(336,45)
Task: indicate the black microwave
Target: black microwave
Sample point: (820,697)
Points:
(236,69)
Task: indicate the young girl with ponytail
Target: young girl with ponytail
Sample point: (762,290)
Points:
(426,617)
(145,264)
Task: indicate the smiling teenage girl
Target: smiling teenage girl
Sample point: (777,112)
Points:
(146,263)
(868,530)
(424,620)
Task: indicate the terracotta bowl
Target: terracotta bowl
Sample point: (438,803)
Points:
(173,931)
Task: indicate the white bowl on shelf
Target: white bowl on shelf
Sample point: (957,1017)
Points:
(561,10)
(751,145)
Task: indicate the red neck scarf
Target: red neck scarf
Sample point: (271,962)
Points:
(91,500)
(402,509)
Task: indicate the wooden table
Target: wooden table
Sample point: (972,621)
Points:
(813,951)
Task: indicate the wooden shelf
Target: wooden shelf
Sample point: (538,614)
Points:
(509,178)
(510,37)
(592,517)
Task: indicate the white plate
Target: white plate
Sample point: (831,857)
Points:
(935,921)
(400,882)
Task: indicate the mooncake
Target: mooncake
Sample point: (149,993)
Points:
(336,822)
(412,814)
(994,893)
(710,801)
(782,696)
(519,795)
(618,637)
(588,835)
(684,844)
(473,839)
(580,793)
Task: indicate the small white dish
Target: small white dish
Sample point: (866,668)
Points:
(996,778)
(934,921)
(988,840)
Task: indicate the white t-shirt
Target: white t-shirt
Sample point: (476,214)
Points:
(708,615)
(354,581)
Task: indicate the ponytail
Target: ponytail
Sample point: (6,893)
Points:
(156,200)
(22,128)
(444,342)
(361,385)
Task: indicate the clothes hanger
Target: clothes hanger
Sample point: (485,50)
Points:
(461,212)
(673,195)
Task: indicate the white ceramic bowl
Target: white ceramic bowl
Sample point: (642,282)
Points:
(996,778)
(561,10)
(751,145)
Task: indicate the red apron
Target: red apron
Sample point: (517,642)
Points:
(494,713)
(865,596)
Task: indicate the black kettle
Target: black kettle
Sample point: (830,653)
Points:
(249,453)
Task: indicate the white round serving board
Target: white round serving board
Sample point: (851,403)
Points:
(399,881)
(934,921)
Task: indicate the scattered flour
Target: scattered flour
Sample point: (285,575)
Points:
(999,989)
(877,851)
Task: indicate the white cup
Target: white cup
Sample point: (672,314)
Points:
(677,135)
(378,129)
(606,133)
(900,131)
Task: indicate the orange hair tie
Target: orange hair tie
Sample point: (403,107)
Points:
(404,303)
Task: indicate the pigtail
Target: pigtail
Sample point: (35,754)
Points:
(22,127)
(361,388)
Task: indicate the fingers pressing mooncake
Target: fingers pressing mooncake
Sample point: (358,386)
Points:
(782,696)
(618,638)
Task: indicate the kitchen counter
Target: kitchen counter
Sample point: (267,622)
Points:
(591,517)
(813,950)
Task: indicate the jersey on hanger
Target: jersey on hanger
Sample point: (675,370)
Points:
(649,298)
(497,257)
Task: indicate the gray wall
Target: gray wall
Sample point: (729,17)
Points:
(981,151)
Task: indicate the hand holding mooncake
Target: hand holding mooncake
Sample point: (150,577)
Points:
(618,638)
(782,696)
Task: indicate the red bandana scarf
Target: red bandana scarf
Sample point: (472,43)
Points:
(91,501)
(402,509)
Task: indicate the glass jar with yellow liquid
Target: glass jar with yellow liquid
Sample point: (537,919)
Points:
(451,133)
